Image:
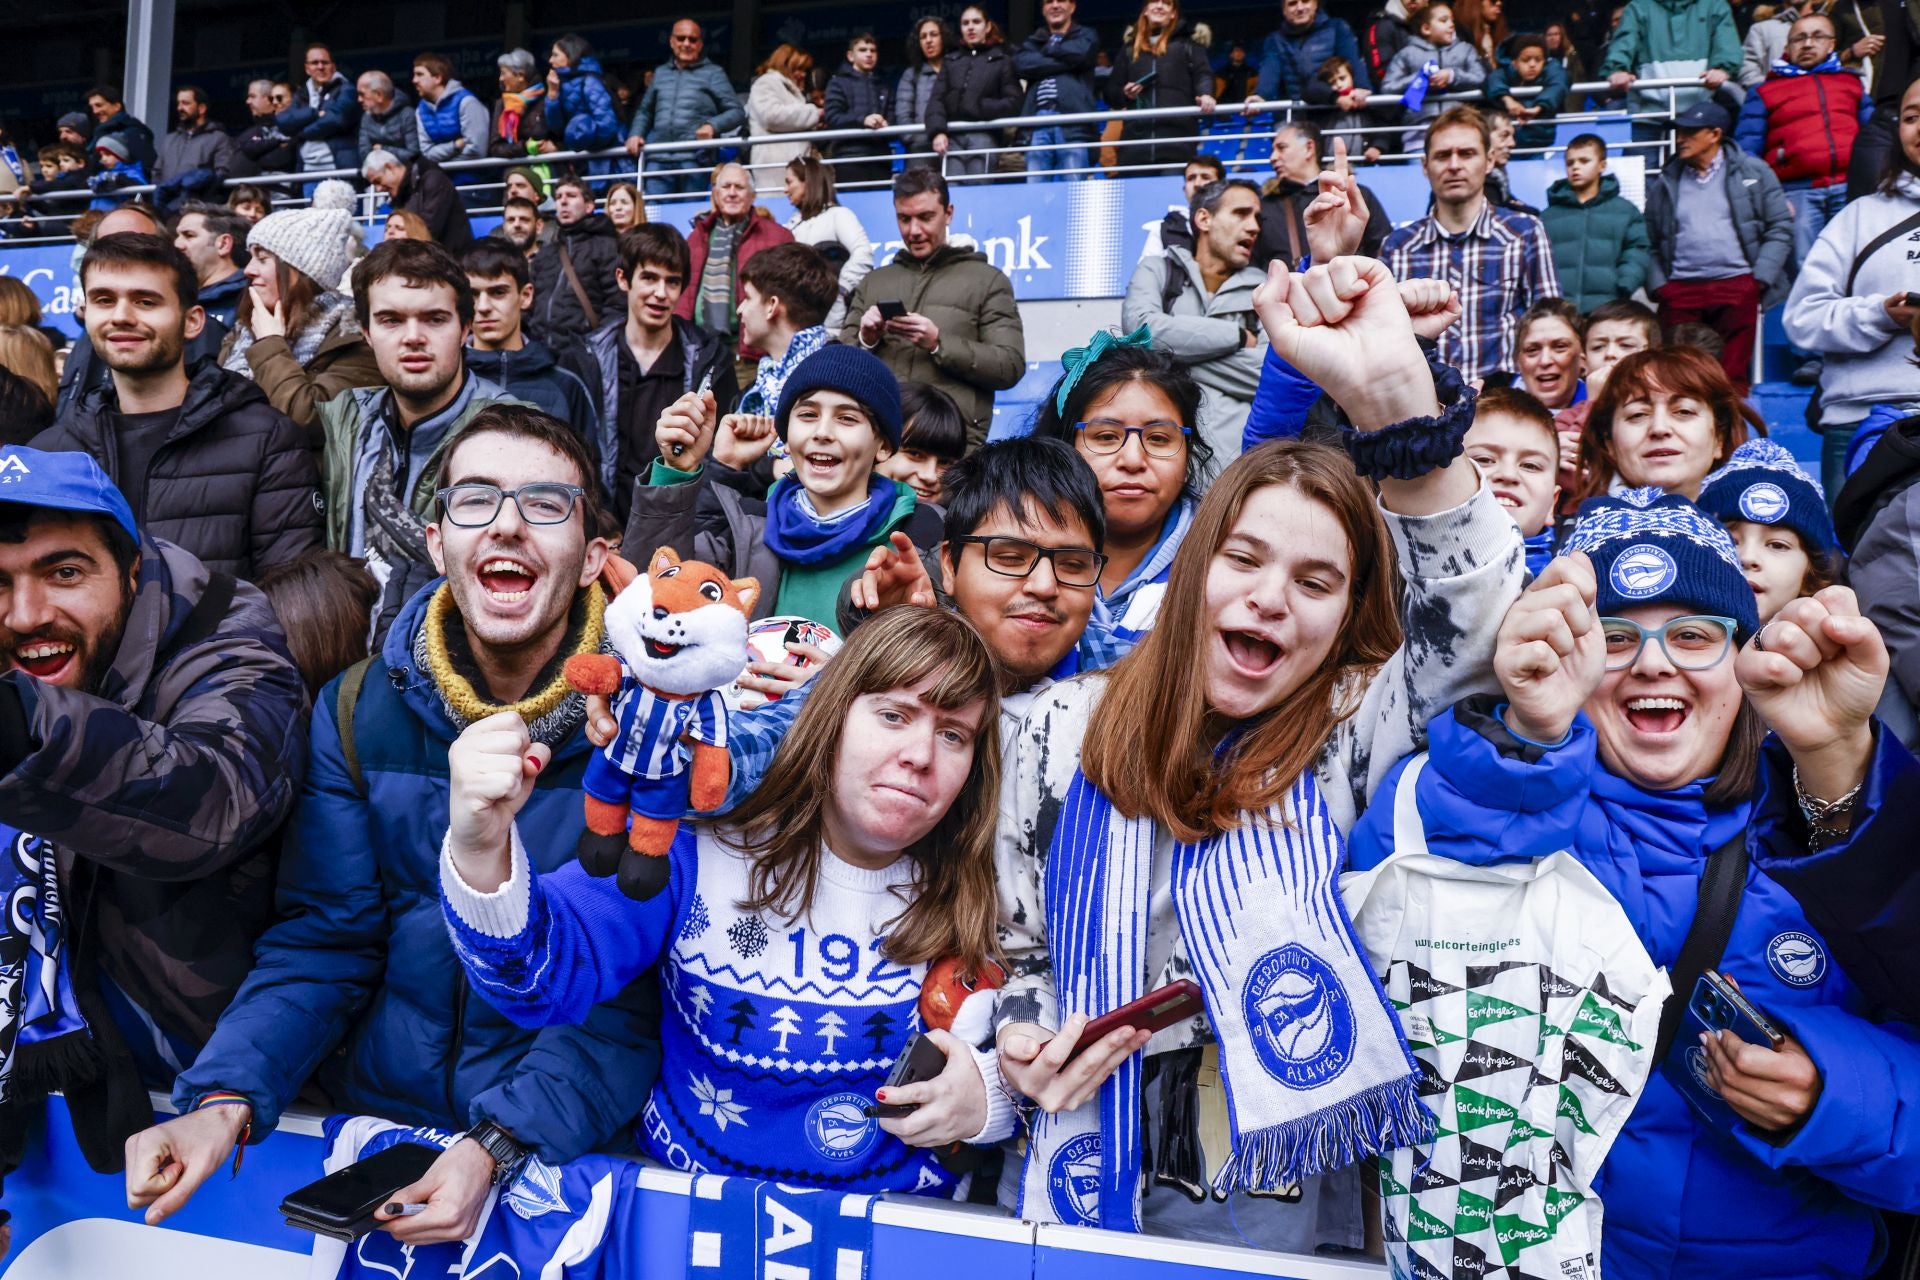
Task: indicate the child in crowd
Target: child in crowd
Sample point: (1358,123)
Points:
(1665,419)
(1433,62)
(62,168)
(118,169)
(1530,69)
(933,438)
(839,416)
(1777,517)
(1349,118)
(1612,332)
(1512,442)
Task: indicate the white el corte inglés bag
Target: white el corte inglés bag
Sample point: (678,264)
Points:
(1532,1009)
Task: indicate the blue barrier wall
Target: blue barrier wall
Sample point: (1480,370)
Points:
(70,1223)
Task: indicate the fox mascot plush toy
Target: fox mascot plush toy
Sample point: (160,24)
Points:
(679,631)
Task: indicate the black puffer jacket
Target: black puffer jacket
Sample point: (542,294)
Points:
(975,83)
(236,483)
(558,314)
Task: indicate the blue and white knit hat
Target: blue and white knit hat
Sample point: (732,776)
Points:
(1649,546)
(1763,484)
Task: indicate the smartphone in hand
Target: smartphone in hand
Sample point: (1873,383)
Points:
(1154,1011)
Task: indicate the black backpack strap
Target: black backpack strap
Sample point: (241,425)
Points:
(346,701)
(1910,223)
(1173,286)
(1721,887)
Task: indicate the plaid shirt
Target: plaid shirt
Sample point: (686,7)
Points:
(1501,265)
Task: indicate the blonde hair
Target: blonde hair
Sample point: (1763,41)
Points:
(416,226)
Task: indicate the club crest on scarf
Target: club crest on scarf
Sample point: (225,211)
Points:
(1073,1181)
(1299,1016)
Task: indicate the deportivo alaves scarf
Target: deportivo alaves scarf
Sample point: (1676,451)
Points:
(1316,1071)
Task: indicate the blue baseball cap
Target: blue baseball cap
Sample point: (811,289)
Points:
(63,482)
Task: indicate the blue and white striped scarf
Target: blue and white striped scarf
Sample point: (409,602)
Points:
(1317,1072)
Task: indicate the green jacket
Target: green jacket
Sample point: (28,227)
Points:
(983,348)
(343,422)
(1600,249)
(1653,31)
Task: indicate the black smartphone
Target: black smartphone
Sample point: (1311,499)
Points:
(1913,299)
(892,309)
(342,1204)
(922,1059)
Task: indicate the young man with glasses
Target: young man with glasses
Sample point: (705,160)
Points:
(1020,560)
(358,985)
(384,444)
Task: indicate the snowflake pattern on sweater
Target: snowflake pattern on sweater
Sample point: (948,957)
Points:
(774,1035)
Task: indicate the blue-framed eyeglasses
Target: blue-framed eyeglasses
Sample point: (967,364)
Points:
(1692,643)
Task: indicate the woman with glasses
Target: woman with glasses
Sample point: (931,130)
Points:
(1129,411)
(1628,731)
(1182,816)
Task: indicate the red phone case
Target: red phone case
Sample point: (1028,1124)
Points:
(1154,1011)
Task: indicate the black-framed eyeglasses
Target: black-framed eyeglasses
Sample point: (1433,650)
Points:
(1692,643)
(1016,558)
(1160,439)
(475,505)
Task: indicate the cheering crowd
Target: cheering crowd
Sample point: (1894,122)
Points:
(1348,537)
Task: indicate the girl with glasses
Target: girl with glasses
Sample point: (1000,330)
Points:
(1129,410)
(1628,732)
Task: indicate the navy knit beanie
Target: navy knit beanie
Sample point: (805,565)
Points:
(852,372)
(1649,546)
(1762,484)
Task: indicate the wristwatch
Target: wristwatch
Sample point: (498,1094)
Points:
(508,1155)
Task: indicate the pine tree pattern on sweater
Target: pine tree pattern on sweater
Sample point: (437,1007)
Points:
(774,1033)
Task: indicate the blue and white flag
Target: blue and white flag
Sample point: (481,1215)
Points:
(742,1229)
(1414,96)
(577,1221)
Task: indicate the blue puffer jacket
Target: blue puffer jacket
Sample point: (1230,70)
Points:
(583,113)
(1289,60)
(1682,1200)
(359,979)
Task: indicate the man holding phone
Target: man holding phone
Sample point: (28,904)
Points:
(939,313)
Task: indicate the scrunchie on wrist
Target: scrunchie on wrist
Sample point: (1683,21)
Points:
(1418,446)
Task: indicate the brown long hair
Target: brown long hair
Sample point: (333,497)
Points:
(18,303)
(1678,371)
(27,353)
(1481,37)
(1144,43)
(298,292)
(1151,744)
(953,903)
(789,60)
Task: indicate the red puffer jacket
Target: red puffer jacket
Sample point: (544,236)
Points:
(1812,121)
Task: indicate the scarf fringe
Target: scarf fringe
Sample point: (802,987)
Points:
(1386,1116)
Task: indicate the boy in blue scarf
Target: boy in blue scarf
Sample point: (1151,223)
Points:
(838,415)
(1513,443)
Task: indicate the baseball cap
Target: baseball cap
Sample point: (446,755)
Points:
(1704,115)
(62,482)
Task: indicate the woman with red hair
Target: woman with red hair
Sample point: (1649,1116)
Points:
(1665,418)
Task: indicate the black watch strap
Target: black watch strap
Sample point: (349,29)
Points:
(508,1155)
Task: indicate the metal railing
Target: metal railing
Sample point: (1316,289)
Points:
(615,165)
